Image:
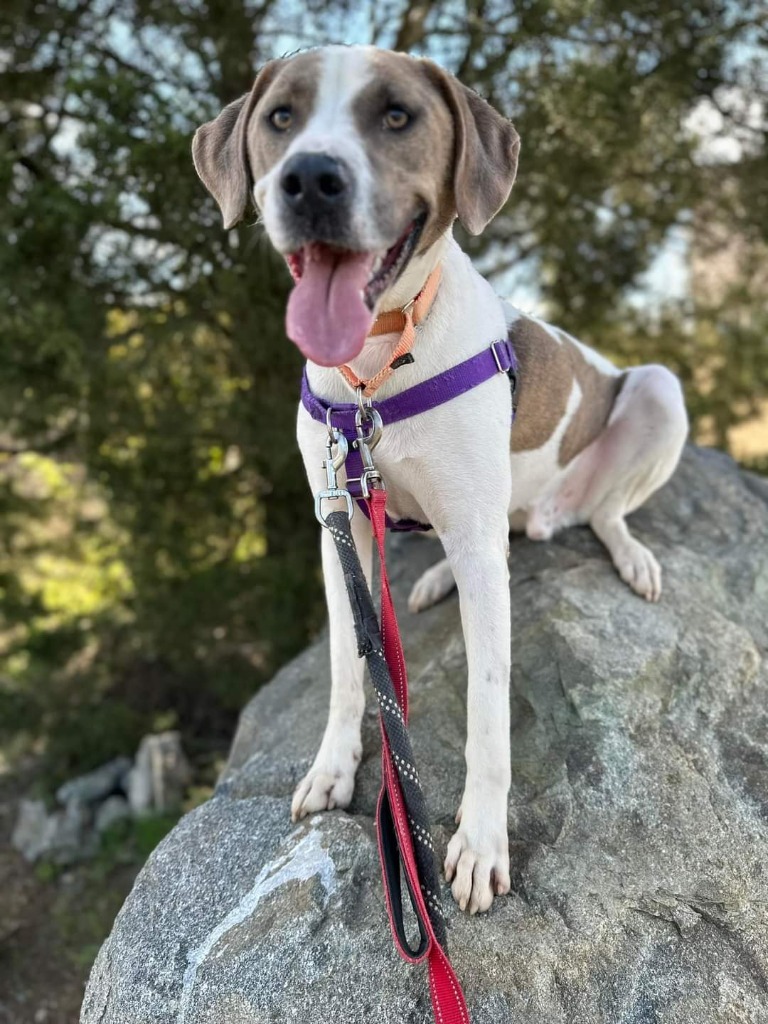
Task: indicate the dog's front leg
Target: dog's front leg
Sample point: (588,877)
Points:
(331,779)
(477,860)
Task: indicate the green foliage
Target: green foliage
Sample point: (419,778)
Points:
(149,832)
(83,899)
(158,549)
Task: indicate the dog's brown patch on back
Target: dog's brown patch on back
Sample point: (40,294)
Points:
(412,167)
(544,383)
(598,394)
(548,368)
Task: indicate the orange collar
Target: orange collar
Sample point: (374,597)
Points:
(403,320)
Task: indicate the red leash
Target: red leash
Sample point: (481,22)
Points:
(448,1005)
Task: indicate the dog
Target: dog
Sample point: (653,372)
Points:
(359,161)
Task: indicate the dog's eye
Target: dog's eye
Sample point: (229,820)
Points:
(281,118)
(396,118)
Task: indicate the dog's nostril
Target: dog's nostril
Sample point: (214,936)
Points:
(291,184)
(330,184)
(312,182)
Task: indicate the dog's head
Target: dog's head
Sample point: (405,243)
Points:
(358,159)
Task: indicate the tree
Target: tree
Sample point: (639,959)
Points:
(142,347)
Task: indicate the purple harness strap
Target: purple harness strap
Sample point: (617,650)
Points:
(497,358)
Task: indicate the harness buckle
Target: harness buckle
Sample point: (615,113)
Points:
(496,358)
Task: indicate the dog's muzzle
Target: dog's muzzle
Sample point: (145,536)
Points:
(339,278)
(317,192)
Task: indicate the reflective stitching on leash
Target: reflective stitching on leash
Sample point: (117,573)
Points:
(387,704)
(404,839)
(422,834)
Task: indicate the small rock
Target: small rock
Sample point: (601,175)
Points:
(62,837)
(96,785)
(160,775)
(29,833)
(113,810)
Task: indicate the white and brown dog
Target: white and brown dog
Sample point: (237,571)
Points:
(360,160)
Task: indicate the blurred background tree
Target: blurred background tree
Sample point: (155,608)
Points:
(157,543)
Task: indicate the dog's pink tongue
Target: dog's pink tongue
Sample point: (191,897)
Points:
(327,317)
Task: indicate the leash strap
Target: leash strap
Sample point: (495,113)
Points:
(403,824)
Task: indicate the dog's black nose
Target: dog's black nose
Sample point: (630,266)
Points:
(313,183)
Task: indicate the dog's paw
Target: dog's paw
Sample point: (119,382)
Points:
(541,522)
(477,862)
(638,567)
(328,784)
(435,584)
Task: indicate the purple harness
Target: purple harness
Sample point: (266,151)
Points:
(497,358)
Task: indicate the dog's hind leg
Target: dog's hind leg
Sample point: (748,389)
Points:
(634,455)
(432,586)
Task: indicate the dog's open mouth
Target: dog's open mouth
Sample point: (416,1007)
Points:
(330,310)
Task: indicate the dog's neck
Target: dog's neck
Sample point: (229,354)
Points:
(414,277)
(464,306)
(377,350)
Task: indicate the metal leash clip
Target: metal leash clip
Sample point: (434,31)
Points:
(368,426)
(332,464)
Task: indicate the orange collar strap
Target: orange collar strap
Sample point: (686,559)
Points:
(403,320)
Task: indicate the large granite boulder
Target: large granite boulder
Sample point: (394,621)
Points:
(638,810)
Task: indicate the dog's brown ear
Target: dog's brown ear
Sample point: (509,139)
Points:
(486,147)
(220,155)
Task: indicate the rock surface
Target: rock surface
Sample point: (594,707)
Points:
(638,809)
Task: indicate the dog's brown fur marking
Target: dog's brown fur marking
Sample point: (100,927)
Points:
(294,85)
(406,180)
(548,368)
(599,392)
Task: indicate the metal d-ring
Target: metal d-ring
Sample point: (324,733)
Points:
(369,418)
(363,403)
(367,414)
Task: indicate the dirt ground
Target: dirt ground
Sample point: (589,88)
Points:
(52,923)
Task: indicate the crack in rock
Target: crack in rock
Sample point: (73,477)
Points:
(307,859)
